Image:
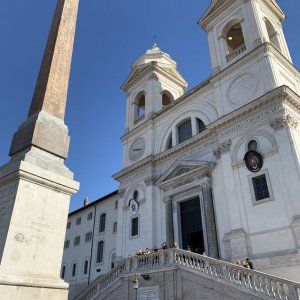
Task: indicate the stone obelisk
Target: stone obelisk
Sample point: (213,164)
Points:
(35,185)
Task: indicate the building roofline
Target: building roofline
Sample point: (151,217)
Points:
(93,203)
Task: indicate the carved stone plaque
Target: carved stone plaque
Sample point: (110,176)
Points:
(242,89)
(149,293)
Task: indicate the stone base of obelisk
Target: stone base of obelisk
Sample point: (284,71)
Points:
(14,290)
(35,190)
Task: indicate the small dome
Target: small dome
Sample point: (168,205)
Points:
(154,54)
(155,50)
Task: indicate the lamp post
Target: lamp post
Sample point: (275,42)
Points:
(136,285)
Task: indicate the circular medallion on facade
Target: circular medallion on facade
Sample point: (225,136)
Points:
(137,149)
(133,207)
(253,161)
(242,89)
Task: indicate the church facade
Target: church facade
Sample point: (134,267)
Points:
(216,169)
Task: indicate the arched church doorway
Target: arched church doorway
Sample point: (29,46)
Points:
(191,226)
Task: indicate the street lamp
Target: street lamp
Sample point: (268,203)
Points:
(135,282)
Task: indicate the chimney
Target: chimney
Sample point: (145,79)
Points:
(86,201)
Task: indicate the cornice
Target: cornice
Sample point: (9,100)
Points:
(154,67)
(147,161)
(277,94)
(211,13)
(216,131)
(263,48)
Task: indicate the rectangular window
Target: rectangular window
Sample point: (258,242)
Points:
(67,244)
(77,240)
(68,225)
(78,221)
(100,250)
(90,216)
(88,236)
(260,187)
(134,226)
(116,204)
(102,223)
(115,227)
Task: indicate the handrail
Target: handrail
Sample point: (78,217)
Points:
(261,283)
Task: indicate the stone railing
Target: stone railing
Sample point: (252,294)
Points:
(138,119)
(254,281)
(235,52)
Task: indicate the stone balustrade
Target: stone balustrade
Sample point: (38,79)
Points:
(138,119)
(235,52)
(258,282)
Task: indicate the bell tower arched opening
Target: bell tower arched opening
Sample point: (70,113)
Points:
(167,98)
(272,34)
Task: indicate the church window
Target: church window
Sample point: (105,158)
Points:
(90,216)
(88,236)
(115,227)
(135,195)
(67,244)
(201,126)
(116,204)
(134,226)
(235,41)
(184,131)
(77,240)
(166,99)
(141,106)
(102,223)
(74,270)
(170,142)
(113,258)
(63,272)
(78,221)
(86,267)
(272,34)
(100,249)
(68,225)
(260,187)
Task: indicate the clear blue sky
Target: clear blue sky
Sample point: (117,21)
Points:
(110,36)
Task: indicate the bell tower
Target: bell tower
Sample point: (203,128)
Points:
(235,28)
(153,84)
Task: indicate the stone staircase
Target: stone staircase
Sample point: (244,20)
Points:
(253,283)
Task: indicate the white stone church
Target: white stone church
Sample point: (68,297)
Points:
(215,169)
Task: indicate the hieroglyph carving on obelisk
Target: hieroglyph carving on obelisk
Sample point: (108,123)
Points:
(35,185)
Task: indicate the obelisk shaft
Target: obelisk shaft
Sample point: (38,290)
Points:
(52,84)
(35,185)
(44,126)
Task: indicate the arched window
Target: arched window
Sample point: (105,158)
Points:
(102,223)
(169,142)
(141,105)
(63,272)
(235,37)
(201,126)
(100,248)
(272,34)
(74,270)
(166,98)
(184,131)
(86,267)
(113,257)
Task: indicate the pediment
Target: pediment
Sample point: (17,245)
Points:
(182,170)
(164,70)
